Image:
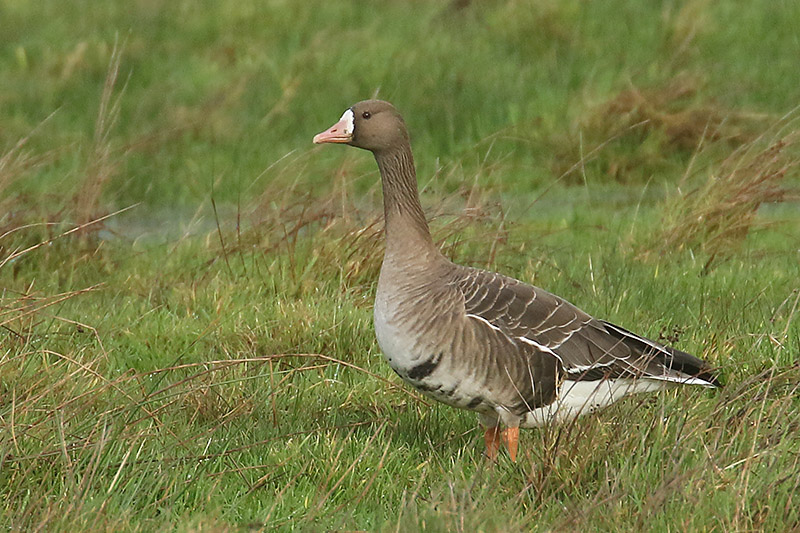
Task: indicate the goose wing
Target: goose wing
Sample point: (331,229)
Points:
(585,348)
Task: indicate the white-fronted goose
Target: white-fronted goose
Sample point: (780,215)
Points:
(478,340)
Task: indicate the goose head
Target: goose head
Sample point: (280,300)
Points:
(373,125)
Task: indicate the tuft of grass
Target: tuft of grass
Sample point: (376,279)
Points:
(716,216)
(16,164)
(339,233)
(101,166)
(628,136)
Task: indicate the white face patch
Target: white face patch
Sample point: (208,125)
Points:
(347,119)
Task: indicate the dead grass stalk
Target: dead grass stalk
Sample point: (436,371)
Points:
(101,165)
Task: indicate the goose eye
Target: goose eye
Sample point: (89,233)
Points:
(366,114)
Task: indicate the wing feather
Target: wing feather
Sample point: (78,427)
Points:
(586,348)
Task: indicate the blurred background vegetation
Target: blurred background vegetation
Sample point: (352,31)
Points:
(219,91)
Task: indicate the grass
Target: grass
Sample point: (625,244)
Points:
(186,283)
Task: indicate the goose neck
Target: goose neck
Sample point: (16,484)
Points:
(406,228)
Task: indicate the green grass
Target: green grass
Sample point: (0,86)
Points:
(206,366)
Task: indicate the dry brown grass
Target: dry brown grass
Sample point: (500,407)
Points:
(14,164)
(39,404)
(716,216)
(669,109)
(102,164)
(656,122)
(19,163)
(343,229)
(47,211)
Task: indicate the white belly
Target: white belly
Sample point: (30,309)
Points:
(578,398)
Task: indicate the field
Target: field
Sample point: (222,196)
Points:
(186,282)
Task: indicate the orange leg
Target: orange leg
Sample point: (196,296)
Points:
(492,439)
(511,438)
